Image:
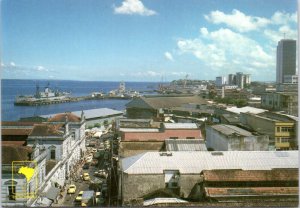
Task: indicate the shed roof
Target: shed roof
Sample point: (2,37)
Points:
(185,145)
(98,113)
(197,161)
(139,130)
(251,175)
(246,109)
(163,101)
(230,129)
(180,126)
(47,130)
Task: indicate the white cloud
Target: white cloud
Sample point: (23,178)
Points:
(225,49)
(12,64)
(41,68)
(169,56)
(146,74)
(237,20)
(281,18)
(133,7)
(204,31)
(284,31)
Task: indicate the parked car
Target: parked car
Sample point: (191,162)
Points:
(79,197)
(86,177)
(71,189)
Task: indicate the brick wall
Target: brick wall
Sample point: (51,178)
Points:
(161,136)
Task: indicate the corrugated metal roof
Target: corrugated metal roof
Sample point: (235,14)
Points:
(180,126)
(139,130)
(99,112)
(245,110)
(163,201)
(230,129)
(196,161)
(185,145)
(92,113)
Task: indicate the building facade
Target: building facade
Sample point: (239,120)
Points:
(220,81)
(281,129)
(281,101)
(179,172)
(230,138)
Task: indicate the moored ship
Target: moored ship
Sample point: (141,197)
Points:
(47,96)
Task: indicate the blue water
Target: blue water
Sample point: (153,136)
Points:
(10,89)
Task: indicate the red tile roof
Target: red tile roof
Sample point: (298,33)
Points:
(251,175)
(12,153)
(13,143)
(15,131)
(62,118)
(47,130)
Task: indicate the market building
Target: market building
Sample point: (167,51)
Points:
(180,172)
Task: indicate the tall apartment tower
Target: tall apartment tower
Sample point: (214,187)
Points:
(286,59)
(240,79)
(232,79)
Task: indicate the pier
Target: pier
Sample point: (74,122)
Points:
(67,100)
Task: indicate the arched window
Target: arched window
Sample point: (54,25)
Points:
(52,153)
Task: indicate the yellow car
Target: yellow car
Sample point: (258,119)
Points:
(86,177)
(72,189)
(79,197)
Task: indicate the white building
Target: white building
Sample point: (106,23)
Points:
(63,138)
(229,138)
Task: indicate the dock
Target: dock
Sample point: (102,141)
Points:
(67,100)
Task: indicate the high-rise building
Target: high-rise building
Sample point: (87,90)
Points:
(286,59)
(240,79)
(231,79)
(220,81)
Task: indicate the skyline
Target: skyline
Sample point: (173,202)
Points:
(134,40)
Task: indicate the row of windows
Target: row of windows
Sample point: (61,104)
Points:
(283,140)
(284,129)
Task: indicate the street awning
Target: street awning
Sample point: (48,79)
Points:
(58,181)
(52,193)
(43,202)
(163,201)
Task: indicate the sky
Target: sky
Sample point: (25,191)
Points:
(143,40)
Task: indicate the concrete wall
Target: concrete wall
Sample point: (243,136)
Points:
(135,186)
(187,182)
(127,149)
(215,140)
(221,142)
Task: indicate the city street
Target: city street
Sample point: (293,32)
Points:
(109,194)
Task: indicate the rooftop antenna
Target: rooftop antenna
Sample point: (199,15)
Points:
(283,35)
